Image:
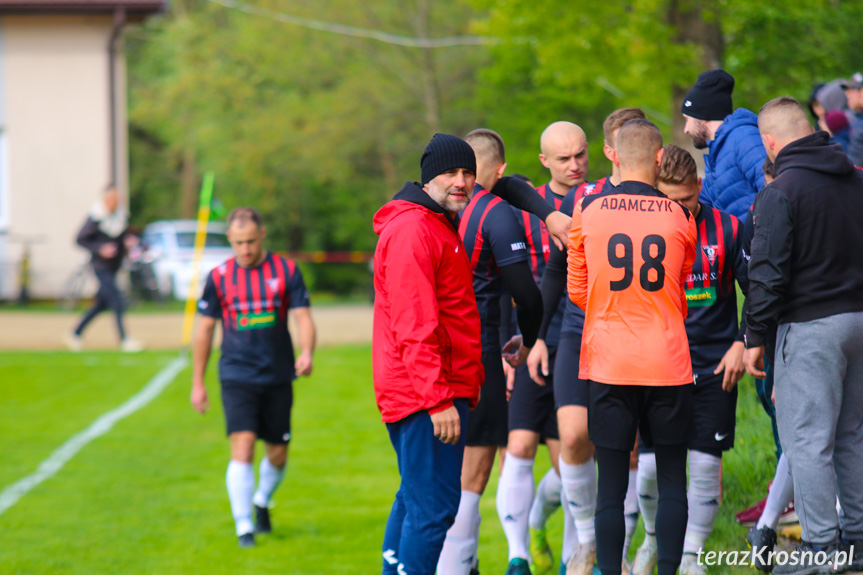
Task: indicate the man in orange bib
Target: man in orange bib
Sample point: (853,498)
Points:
(630,252)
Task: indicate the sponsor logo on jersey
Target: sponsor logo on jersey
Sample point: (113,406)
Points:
(699,297)
(518,246)
(255,320)
(711,252)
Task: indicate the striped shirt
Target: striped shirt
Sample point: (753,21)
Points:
(253,305)
(711,324)
(492,238)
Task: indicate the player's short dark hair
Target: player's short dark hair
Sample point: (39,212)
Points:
(487,144)
(637,142)
(617,119)
(768,168)
(678,166)
(243,216)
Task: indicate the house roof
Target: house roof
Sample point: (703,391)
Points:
(132,7)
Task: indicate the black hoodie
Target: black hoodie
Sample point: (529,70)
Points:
(807,252)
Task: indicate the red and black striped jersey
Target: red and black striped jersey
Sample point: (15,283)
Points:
(565,316)
(536,232)
(253,305)
(492,238)
(711,323)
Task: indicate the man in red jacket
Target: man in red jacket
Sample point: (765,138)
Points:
(426,352)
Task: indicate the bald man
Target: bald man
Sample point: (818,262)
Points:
(563,148)
(806,275)
(553,363)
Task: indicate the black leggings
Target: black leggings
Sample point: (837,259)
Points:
(108,296)
(671,516)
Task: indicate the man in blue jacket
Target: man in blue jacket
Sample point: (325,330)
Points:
(732,165)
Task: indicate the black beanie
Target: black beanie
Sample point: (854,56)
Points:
(446,152)
(710,98)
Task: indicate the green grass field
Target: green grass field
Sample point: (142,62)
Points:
(149,496)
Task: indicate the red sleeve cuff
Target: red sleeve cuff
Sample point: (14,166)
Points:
(442,407)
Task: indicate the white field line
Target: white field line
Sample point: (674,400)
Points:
(55,462)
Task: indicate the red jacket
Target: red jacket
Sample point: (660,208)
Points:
(426,348)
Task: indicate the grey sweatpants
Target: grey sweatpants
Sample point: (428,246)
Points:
(819,408)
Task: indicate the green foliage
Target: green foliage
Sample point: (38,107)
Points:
(784,49)
(580,60)
(314,129)
(318,130)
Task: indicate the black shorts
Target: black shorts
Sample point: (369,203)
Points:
(714,414)
(662,415)
(568,388)
(487,424)
(531,406)
(264,410)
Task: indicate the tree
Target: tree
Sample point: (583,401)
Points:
(315,129)
(580,60)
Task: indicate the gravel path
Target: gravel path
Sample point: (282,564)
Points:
(19,330)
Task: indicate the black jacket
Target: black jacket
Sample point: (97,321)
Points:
(807,251)
(92,238)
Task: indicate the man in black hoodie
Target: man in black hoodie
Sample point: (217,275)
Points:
(806,274)
(105,236)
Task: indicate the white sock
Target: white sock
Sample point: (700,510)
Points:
(570,533)
(269,478)
(459,547)
(630,511)
(779,497)
(514,497)
(547,499)
(704,492)
(241,484)
(579,484)
(648,493)
(475,539)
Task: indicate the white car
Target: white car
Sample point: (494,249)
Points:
(172,244)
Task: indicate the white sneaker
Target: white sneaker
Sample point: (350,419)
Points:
(131,345)
(73,341)
(689,565)
(582,560)
(645,559)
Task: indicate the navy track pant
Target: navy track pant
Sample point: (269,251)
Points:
(428,497)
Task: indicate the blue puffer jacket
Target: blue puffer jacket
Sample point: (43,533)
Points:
(732,166)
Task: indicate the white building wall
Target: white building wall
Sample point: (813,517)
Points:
(56,123)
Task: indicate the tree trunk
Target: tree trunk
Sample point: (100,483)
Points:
(697,25)
(430,87)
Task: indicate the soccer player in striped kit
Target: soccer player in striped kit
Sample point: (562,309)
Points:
(576,464)
(716,347)
(251,293)
(532,411)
